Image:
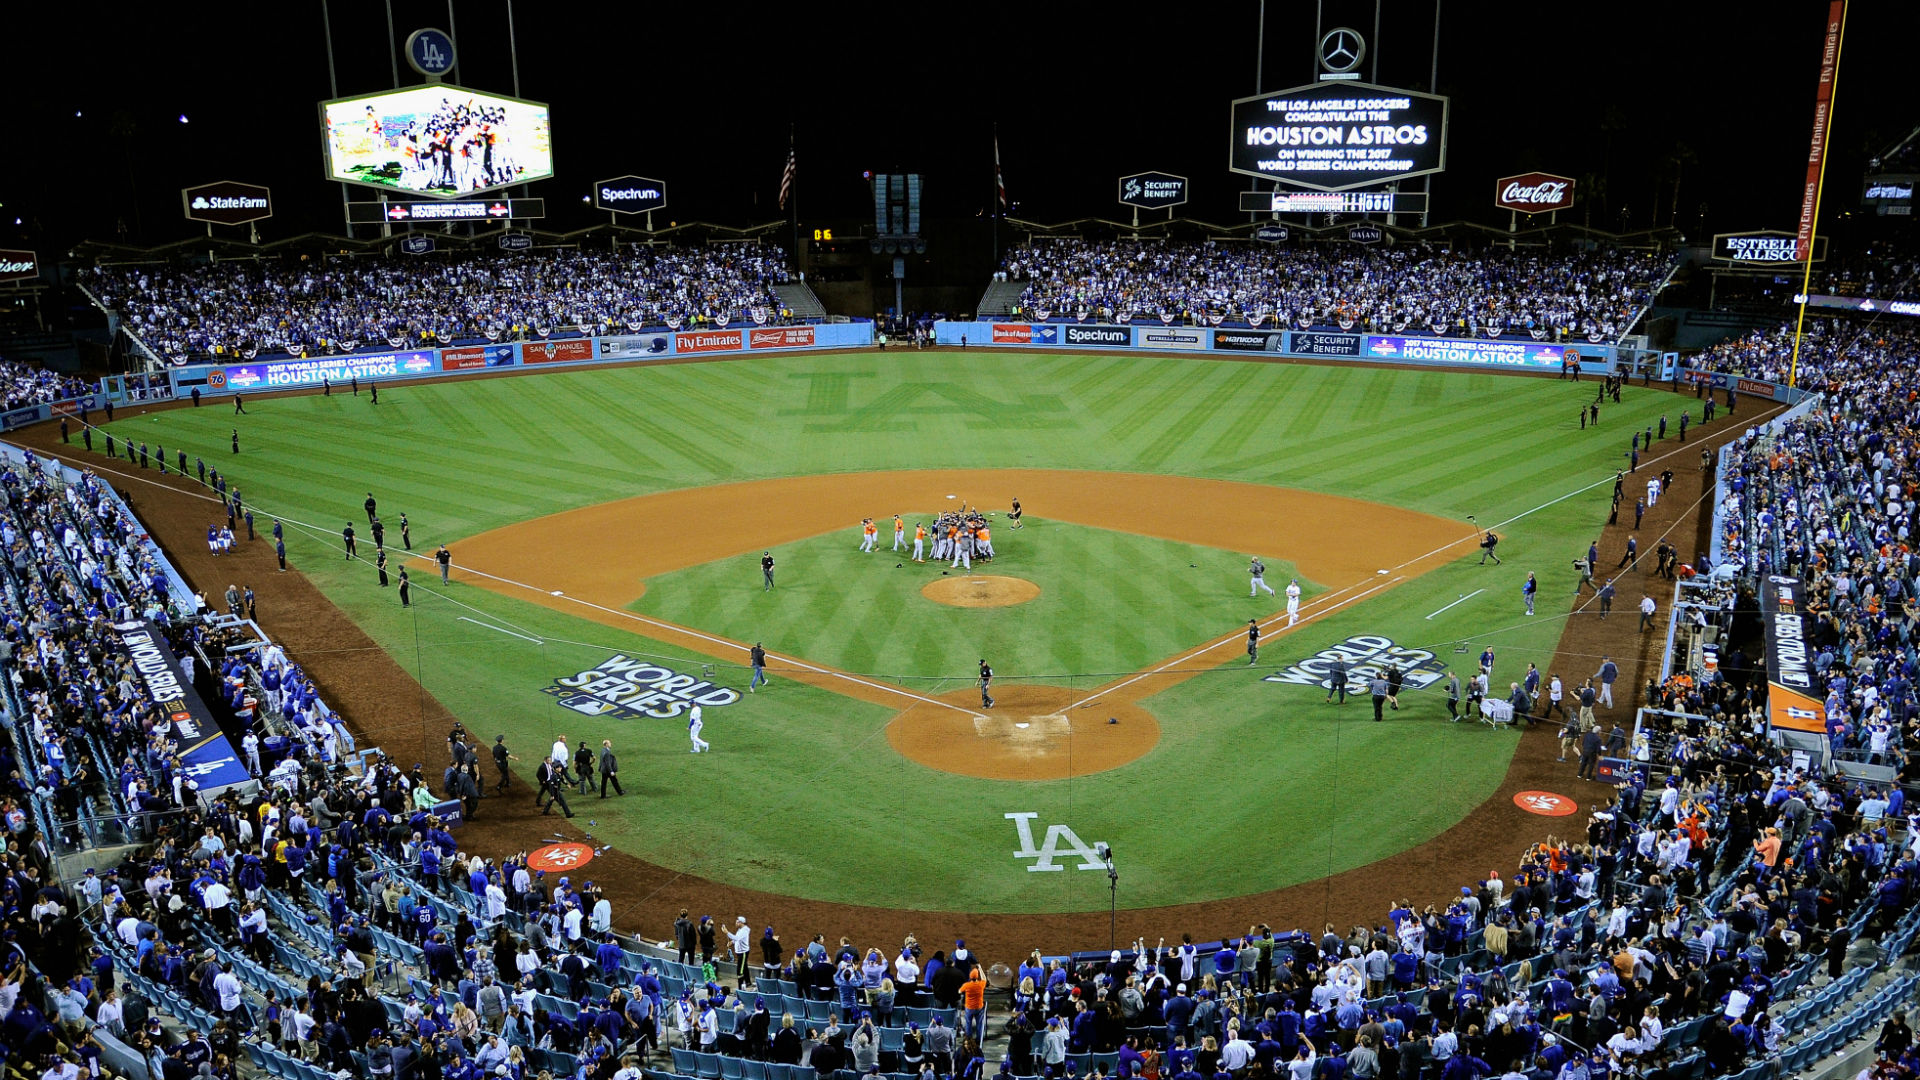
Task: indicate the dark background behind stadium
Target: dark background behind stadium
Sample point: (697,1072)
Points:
(701,96)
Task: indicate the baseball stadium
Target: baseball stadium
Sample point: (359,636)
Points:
(1304,623)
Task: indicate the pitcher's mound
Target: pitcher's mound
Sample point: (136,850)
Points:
(1031,733)
(980,590)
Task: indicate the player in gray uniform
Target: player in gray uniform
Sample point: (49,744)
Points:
(1258,571)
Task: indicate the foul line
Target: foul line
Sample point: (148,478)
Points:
(709,638)
(1458,602)
(1218,642)
(509,633)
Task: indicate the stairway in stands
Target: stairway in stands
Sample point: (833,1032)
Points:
(797,297)
(1000,298)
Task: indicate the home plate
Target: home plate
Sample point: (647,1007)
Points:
(953,496)
(1038,733)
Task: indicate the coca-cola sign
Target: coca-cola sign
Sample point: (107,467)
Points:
(18,265)
(1533,193)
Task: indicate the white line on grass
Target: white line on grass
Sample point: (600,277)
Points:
(1462,600)
(509,633)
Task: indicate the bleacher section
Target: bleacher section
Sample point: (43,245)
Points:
(317,920)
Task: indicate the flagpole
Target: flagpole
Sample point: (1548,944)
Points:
(794,196)
(993,200)
(1819,189)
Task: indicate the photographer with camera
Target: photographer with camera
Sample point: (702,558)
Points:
(1486,549)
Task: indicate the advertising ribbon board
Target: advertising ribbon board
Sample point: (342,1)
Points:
(1790,693)
(205,755)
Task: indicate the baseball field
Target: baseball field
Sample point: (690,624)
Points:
(607,527)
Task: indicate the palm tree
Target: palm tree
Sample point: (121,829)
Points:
(1677,161)
(1594,187)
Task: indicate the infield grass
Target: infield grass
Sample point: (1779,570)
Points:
(1253,785)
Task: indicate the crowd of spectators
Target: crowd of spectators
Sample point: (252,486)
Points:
(23,384)
(1595,294)
(316,305)
(331,917)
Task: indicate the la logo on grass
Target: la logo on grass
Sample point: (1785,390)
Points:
(1061,842)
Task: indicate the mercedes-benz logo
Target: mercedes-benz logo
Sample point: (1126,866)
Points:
(1341,49)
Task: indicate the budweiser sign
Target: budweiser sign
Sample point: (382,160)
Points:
(1533,193)
(18,265)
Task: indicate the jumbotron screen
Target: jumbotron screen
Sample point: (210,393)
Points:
(441,141)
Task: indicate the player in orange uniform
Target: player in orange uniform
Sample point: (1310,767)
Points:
(899,533)
(983,540)
(870,534)
(919,542)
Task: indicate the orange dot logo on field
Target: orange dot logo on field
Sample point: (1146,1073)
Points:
(560,857)
(1545,803)
(979,590)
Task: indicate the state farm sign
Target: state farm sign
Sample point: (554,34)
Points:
(227,202)
(18,265)
(1533,193)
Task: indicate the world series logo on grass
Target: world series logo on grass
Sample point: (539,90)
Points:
(1366,655)
(631,689)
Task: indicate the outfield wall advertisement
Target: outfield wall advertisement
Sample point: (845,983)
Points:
(1303,344)
(292,374)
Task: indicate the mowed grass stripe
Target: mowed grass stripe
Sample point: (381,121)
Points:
(1199,417)
(1145,376)
(1256,414)
(1303,422)
(1149,407)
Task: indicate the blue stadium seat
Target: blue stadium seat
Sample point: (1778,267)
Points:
(753,1070)
(776,1071)
(683,1061)
(707,1065)
(892,1039)
(820,1010)
(802,1072)
(730,1068)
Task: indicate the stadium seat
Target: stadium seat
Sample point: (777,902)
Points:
(683,1061)
(730,1068)
(707,1065)
(820,1010)
(802,1072)
(777,1071)
(1107,1063)
(753,1070)
(892,1039)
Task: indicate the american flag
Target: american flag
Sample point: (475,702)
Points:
(999,181)
(786,178)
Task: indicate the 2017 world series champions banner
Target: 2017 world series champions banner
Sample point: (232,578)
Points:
(205,753)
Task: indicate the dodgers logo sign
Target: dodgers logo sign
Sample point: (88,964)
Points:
(630,689)
(1366,655)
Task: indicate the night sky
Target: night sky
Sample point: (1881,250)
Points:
(702,96)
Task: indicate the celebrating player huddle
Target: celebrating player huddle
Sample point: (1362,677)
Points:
(457,147)
(958,538)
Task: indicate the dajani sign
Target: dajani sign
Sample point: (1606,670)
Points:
(18,265)
(1533,193)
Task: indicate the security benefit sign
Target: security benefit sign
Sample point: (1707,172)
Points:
(1792,699)
(1332,136)
(630,689)
(1366,655)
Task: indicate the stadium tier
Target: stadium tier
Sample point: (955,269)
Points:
(1722,910)
(1595,295)
(272,306)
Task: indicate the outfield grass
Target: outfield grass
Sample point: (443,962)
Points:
(1250,776)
